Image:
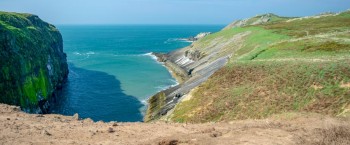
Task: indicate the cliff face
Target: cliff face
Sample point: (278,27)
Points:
(32,62)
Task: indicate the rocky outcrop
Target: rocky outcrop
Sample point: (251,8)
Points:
(32,62)
(201,35)
(197,37)
(194,54)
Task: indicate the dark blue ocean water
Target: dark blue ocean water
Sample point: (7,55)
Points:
(112,73)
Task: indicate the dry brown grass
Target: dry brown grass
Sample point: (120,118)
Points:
(334,135)
(328,133)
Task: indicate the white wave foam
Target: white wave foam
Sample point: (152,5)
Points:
(177,39)
(150,54)
(76,53)
(170,40)
(90,53)
(188,41)
(175,82)
(163,87)
(145,54)
(87,53)
(160,88)
(185,40)
(144,102)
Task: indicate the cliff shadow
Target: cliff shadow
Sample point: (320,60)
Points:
(96,95)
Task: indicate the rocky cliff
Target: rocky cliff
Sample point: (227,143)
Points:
(32,62)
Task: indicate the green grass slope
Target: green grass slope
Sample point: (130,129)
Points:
(289,65)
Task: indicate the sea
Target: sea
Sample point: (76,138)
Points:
(112,72)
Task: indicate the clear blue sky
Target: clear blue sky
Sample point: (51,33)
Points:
(166,11)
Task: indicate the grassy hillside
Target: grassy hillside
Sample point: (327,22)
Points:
(288,65)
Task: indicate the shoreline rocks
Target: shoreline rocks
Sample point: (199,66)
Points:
(197,37)
(190,67)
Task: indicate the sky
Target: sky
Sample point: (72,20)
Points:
(166,11)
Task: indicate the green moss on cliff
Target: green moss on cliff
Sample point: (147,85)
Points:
(36,86)
(30,91)
(32,61)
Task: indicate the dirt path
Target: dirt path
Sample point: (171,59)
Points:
(20,128)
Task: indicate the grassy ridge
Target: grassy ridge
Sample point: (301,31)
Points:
(300,65)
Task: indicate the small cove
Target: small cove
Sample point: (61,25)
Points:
(112,73)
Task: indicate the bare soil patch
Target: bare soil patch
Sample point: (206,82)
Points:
(19,128)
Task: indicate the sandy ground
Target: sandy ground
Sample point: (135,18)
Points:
(19,128)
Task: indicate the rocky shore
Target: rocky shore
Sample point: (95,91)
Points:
(190,67)
(197,37)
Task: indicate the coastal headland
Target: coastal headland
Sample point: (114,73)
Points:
(262,80)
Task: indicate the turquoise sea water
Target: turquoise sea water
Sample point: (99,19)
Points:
(112,73)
